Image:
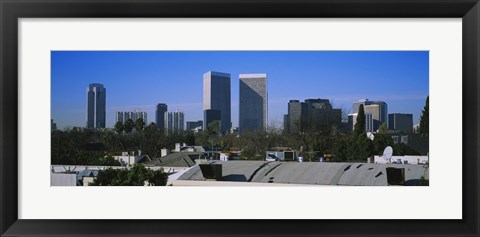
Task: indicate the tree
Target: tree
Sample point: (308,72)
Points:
(423,181)
(380,142)
(401,149)
(340,150)
(360,124)
(137,176)
(139,125)
(119,127)
(128,126)
(360,148)
(383,128)
(423,128)
(152,125)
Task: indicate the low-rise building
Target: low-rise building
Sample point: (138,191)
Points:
(414,160)
(130,158)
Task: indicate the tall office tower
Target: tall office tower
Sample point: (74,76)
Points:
(253,114)
(321,115)
(96,106)
(160,115)
(295,116)
(312,115)
(378,109)
(401,122)
(174,122)
(216,96)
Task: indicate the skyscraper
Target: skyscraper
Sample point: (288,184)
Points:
(320,114)
(312,115)
(253,114)
(96,106)
(294,116)
(174,122)
(216,96)
(160,115)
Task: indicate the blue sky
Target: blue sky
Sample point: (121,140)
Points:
(141,79)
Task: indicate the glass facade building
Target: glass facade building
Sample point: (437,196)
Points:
(216,96)
(96,106)
(253,106)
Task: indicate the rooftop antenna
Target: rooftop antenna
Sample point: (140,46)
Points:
(370,136)
(387,154)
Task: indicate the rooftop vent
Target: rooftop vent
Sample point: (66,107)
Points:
(211,171)
(395,176)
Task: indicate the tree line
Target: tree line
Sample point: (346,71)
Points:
(95,147)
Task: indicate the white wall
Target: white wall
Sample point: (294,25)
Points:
(409,159)
(63,179)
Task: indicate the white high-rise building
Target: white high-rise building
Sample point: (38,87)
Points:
(96,106)
(253,106)
(352,120)
(124,116)
(174,122)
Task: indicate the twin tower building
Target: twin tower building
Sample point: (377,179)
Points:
(217,102)
(253,104)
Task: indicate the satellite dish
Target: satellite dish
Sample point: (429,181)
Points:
(387,153)
(370,136)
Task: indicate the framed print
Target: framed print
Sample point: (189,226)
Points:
(301,118)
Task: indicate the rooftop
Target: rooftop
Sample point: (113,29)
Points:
(177,159)
(317,173)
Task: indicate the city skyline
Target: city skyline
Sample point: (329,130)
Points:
(141,80)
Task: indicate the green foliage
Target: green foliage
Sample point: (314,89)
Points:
(213,128)
(138,175)
(119,127)
(128,126)
(139,125)
(423,182)
(380,142)
(93,147)
(423,128)
(340,150)
(383,128)
(89,147)
(359,149)
(86,158)
(400,149)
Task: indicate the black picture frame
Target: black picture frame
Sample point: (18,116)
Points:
(11,11)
